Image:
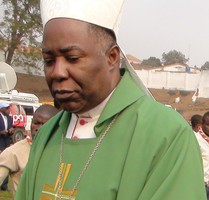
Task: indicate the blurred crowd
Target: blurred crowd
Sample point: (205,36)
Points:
(14,156)
(200,126)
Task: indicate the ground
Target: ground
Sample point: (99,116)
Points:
(200,106)
(38,86)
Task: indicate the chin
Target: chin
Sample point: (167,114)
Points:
(69,107)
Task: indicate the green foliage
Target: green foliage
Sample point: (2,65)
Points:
(205,66)
(21,30)
(151,61)
(173,57)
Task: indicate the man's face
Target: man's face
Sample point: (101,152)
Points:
(6,110)
(79,76)
(39,119)
(205,126)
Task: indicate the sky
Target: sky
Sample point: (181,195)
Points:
(151,27)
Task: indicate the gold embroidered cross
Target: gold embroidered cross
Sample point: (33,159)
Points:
(55,193)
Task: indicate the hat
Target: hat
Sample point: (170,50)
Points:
(104,13)
(4,104)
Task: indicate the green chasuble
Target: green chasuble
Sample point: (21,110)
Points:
(149,153)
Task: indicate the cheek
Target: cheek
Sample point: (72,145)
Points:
(47,72)
(34,127)
(47,77)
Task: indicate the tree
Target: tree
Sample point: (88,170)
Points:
(173,57)
(20,32)
(205,66)
(151,61)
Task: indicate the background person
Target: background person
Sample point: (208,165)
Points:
(14,158)
(6,130)
(196,122)
(205,128)
(205,124)
(112,141)
(5,125)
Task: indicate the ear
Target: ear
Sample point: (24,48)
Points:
(113,55)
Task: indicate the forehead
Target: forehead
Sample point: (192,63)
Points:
(66,33)
(65,28)
(40,117)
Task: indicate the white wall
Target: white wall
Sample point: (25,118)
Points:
(204,85)
(178,81)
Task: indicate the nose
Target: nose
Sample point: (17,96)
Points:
(60,69)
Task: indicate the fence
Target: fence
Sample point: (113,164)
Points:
(177,81)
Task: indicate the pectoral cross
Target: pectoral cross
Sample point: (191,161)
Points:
(56,192)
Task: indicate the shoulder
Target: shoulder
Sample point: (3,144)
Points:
(146,106)
(202,142)
(7,153)
(159,120)
(16,148)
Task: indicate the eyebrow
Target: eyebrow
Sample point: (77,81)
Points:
(62,50)
(67,49)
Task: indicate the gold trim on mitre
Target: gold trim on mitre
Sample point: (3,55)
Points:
(104,13)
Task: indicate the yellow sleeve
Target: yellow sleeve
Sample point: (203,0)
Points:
(4,172)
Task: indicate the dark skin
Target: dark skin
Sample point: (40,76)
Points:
(79,73)
(39,119)
(197,127)
(6,111)
(205,125)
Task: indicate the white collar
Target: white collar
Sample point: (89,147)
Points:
(82,125)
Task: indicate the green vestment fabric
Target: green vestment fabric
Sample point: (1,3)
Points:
(149,153)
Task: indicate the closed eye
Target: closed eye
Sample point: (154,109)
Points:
(49,62)
(72,59)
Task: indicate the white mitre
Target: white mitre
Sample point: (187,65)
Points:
(105,13)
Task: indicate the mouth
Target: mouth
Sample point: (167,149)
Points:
(71,101)
(64,95)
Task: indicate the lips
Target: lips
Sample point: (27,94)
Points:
(65,95)
(71,101)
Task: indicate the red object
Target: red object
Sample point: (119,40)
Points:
(82,122)
(75,137)
(18,115)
